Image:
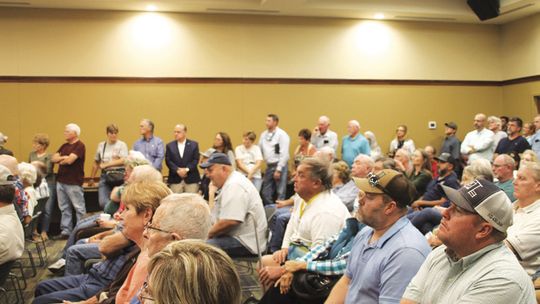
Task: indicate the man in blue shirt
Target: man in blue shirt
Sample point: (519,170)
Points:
(354,143)
(149,145)
(388,253)
(535,139)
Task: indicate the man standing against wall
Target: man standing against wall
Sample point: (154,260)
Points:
(514,144)
(322,136)
(69,180)
(354,143)
(535,139)
(274,143)
(182,157)
(149,145)
(478,143)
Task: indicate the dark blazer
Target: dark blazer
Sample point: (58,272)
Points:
(190,160)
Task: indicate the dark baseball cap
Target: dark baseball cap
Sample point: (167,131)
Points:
(485,199)
(446,158)
(216,158)
(451,125)
(391,183)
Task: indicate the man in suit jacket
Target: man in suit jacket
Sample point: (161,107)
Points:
(182,157)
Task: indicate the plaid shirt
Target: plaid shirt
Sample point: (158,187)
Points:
(335,266)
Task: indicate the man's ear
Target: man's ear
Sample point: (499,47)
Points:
(176,236)
(484,230)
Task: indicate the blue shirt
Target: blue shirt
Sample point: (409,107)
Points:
(535,143)
(434,190)
(152,149)
(347,193)
(380,272)
(351,147)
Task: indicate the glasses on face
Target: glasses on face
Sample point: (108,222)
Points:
(144,295)
(149,227)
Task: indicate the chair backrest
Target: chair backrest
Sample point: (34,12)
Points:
(29,228)
(4,271)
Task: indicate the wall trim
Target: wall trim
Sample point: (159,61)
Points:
(239,80)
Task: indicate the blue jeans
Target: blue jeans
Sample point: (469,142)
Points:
(257,182)
(426,219)
(278,225)
(271,187)
(104,191)
(82,224)
(70,288)
(49,207)
(70,196)
(230,245)
(77,255)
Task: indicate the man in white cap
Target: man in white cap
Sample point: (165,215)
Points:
(11,230)
(473,265)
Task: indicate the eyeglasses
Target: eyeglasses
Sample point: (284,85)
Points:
(144,295)
(149,227)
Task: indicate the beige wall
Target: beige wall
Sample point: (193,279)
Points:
(519,100)
(99,43)
(207,109)
(520,48)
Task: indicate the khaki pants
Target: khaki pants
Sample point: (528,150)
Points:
(184,188)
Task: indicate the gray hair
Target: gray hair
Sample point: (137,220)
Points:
(365,159)
(10,162)
(370,136)
(508,160)
(145,173)
(186,214)
(534,168)
(494,119)
(355,123)
(324,119)
(480,168)
(27,173)
(134,159)
(326,152)
(319,169)
(74,128)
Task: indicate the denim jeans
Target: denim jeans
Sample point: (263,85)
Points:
(49,207)
(77,255)
(230,245)
(104,191)
(82,224)
(70,196)
(277,227)
(257,182)
(426,219)
(70,288)
(272,188)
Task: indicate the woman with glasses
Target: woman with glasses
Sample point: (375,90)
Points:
(191,271)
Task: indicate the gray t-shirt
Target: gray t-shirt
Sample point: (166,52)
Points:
(235,200)
(112,151)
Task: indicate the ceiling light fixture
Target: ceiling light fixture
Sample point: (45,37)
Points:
(151,8)
(378,16)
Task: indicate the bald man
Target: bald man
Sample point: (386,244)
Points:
(322,136)
(479,142)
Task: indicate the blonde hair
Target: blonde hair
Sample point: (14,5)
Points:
(144,195)
(191,271)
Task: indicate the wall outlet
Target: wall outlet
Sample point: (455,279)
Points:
(432,125)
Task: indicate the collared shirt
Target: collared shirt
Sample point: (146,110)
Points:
(490,275)
(319,258)
(535,143)
(351,147)
(508,188)
(451,145)
(181,147)
(524,235)
(152,149)
(434,191)
(275,147)
(481,141)
(408,144)
(11,235)
(347,193)
(107,269)
(380,271)
(328,139)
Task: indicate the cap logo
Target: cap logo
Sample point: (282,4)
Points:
(495,219)
(472,187)
(373,179)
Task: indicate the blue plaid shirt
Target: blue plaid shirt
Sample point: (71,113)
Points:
(107,269)
(319,258)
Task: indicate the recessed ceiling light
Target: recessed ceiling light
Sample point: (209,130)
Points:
(378,16)
(151,8)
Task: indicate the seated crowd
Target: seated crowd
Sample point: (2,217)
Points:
(414,226)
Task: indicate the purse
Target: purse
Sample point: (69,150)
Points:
(113,177)
(310,287)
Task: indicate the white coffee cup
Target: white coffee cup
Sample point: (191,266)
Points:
(104,217)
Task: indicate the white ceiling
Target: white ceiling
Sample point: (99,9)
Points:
(421,10)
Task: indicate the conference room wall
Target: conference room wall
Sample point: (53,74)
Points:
(110,43)
(520,46)
(519,100)
(234,108)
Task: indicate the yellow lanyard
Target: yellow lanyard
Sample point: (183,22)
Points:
(303,205)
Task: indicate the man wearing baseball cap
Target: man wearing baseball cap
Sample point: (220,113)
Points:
(388,253)
(11,230)
(237,204)
(473,265)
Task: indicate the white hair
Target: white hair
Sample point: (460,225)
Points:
(324,119)
(145,173)
(355,123)
(365,159)
(186,214)
(74,128)
(370,136)
(3,138)
(326,153)
(495,119)
(27,172)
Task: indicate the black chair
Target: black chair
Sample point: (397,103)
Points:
(7,276)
